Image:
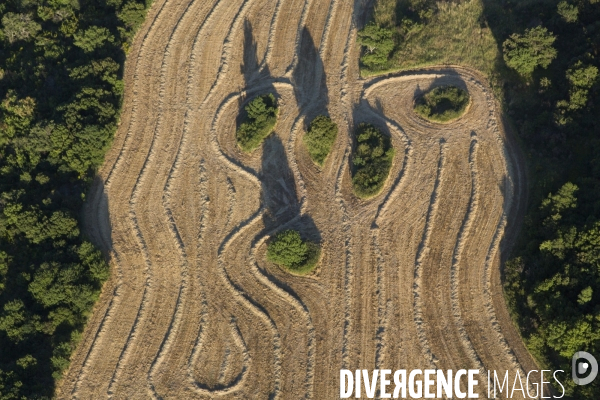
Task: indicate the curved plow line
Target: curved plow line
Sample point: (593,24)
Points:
(268,281)
(265,280)
(349,273)
(323,46)
(294,163)
(346,60)
(382,306)
(271,38)
(169,338)
(231,200)
(495,245)
(204,203)
(298,42)
(463,233)
(133,217)
(421,253)
(494,323)
(107,183)
(238,293)
(226,52)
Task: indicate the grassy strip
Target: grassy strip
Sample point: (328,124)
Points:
(456,34)
(288,250)
(371,161)
(319,139)
(260,119)
(442,104)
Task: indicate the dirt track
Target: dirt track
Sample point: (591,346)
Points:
(408,279)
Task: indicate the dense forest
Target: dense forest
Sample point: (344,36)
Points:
(546,72)
(61,66)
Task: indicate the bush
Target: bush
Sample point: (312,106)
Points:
(372,160)
(378,45)
(524,53)
(319,138)
(442,104)
(290,251)
(261,116)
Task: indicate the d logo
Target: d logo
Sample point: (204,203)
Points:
(581,363)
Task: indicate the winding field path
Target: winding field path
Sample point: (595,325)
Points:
(408,279)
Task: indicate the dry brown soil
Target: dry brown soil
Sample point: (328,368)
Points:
(408,279)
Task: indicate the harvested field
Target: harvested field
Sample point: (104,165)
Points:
(408,279)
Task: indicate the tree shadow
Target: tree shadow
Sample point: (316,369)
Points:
(98,230)
(279,191)
(257,78)
(310,80)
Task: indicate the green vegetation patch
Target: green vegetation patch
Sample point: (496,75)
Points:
(261,116)
(371,161)
(427,32)
(320,138)
(297,256)
(442,104)
(61,66)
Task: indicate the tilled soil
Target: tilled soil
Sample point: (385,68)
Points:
(408,279)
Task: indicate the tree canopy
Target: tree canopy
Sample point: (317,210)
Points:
(524,53)
(61,65)
(289,250)
(258,123)
(319,138)
(378,44)
(371,160)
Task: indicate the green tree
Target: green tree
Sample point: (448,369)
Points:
(319,138)
(568,12)
(289,250)
(19,27)
(92,38)
(371,160)
(581,78)
(524,53)
(378,44)
(261,117)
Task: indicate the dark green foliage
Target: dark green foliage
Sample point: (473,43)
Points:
(442,104)
(60,93)
(319,138)
(552,282)
(524,53)
(371,161)
(290,251)
(558,302)
(378,44)
(569,12)
(260,119)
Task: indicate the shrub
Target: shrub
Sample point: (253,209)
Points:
(371,161)
(261,116)
(442,104)
(290,251)
(319,138)
(378,45)
(524,53)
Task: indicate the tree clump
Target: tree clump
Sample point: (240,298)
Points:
(378,44)
(261,116)
(319,138)
(371,161)
(442,104)
(60,98)
(524,53)
(294,254)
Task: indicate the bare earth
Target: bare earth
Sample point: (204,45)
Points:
(408,279)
